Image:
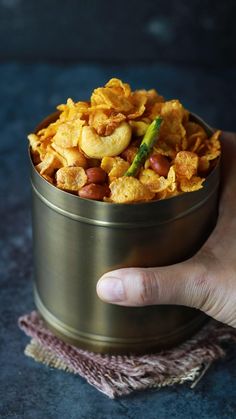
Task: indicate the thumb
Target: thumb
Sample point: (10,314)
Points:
(183,284)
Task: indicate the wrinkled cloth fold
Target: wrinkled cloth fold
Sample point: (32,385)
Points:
(119,375)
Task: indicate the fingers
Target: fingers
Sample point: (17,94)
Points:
(207,281)
(184,284)
(201,282)
(228,144)
(222,239)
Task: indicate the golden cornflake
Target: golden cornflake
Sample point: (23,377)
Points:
(114,166)
(138,128)
(125,190)
(172,129)
(104,123)
(106,131)
(71,178)
(186,164)
(49,164)
(68,133)
(191,185)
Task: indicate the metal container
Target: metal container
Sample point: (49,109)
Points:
(77,240)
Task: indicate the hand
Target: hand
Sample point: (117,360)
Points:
(207,281)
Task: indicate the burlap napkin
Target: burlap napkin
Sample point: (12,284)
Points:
(120,375)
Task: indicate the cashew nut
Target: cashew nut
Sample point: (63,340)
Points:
(97,147)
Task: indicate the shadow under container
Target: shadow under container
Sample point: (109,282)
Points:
(77,240)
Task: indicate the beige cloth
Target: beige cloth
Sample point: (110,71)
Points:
(120,375)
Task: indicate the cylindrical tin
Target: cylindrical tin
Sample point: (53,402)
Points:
(77,240)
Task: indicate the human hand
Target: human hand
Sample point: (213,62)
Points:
(206,281)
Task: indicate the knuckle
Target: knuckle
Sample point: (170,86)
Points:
(200,285)
(200,291)
(149,288)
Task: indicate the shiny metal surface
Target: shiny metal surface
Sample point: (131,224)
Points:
(76,240)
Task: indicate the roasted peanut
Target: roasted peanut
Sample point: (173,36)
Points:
(160,164)
(96,175)
(94,191)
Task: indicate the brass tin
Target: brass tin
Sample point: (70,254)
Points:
(77,240)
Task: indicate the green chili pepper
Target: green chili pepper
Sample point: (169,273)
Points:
(145,147)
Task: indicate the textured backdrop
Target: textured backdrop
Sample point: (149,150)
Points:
(192,46)
(197,32)
(32,391)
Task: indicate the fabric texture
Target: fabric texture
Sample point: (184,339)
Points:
(119,375)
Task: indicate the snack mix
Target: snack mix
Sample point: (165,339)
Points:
(124,146)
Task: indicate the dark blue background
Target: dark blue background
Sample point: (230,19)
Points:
(53,50)
(175,31)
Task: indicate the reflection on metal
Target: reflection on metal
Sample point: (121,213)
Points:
(77,240)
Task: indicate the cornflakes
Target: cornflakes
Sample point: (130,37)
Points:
(71,156)
(71,178)
(191,185)
(114,166)
(106,131)
(125,190)
(186,164)
(103,123)
(68,133)
(49,164)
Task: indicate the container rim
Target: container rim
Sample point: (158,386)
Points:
(99,212)
(113,204)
